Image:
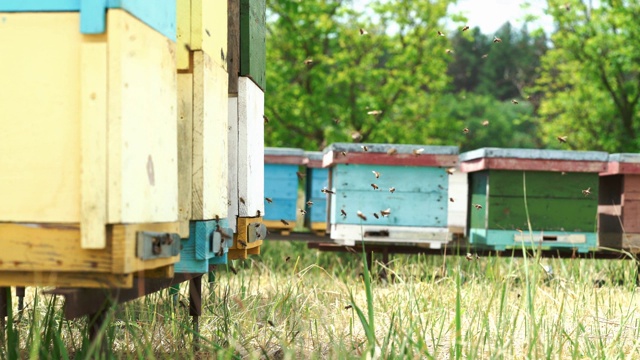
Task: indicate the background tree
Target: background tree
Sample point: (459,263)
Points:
(590,80)
(397,67)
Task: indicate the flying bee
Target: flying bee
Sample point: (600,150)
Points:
(449,51)
(363,32)
(233,270)
(336,120)
(271,323)
(361,215)
(242,200)
(269,200)
(497,39)
(364,147)
(386,212)
(284,222)
(440,33)
(465,130)
(392,151)
(300,175)
(287,259)
(308,61)
(374,112)
(356,136)
(376,215)
(258,212)
(586,192)
(450,171)
(469,257)
(418,151)
(485,123)
(465,28)
(392,189)
(477,206)
(303,211)
(376,174)
(217,218)
(451,199)
(374,186)
(563,173)
(244,244)
(309,203)
(344,153)
(343,213)
(519,230)
(484,56)
(348,307)
(327,191)
(562,139)
(514,101)
(265,118)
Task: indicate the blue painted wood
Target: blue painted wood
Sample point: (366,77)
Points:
(534,154)
(281,185)
(500,240)
(400,149)
(158,14)
(198,250)
(317,179)
(420,198)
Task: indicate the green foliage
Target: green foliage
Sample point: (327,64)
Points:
(590,81)
(398,67)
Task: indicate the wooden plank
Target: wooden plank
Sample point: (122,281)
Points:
(250,148)
(532,164)
(459,192)
(574,215)
(233,44)
(123,240)
(631,187)
(209,29)
(210,136)
(544,184)
(351,234)
(232,141)
(93,108)
(287,159)
(183,34)
(253,49)
(631,216)
(39,126)
(405,179)
(478,188)
(334,157)
(66,279)
(185,151)
(143,176)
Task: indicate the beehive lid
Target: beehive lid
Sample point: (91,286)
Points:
(533,159)
(292,156)
(390,154)
(626,163)
(313,159)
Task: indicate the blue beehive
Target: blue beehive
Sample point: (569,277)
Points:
(412,185)
(317,179)
(281,187)
(555,191)
(208,244)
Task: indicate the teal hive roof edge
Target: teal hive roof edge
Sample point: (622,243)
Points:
(400,148)
(534,154)
(625,158)
(158,14)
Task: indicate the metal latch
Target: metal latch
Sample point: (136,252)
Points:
(256,231)
(155,245)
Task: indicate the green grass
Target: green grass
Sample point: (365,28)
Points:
(318,306)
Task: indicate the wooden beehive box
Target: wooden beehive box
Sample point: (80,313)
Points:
(562,216)
(203,146)
(246,127)
(317,179)
(88,135)
(619,203)
(281,187)
(418,204)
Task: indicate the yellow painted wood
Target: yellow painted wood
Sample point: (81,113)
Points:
(209,29)
(210,139)
(185,150)
(93,110)
(39,117)
(238,250)
(142,140)
(123,238)
(183,36)
(66,279)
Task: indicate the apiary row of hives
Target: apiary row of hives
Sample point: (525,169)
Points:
(131,138)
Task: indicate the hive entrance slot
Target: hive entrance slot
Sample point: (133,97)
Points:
(379,233)
(549,238)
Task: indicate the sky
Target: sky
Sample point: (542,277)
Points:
(489,15)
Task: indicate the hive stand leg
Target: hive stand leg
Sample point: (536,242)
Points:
(20,292)
(173,292)
(5,292)
(212,281)
(385,260)
(195,308)
(96,320)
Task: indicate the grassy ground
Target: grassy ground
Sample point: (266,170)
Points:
(322,305)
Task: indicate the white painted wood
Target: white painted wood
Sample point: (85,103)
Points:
(143,169)
(457,210)
(210,139)
(250,148)
(538,238)
(93,110)
(350,235)
(233,162)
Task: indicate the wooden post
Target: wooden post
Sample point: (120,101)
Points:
(195,308)
(20,292)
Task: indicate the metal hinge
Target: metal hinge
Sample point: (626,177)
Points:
(155,245)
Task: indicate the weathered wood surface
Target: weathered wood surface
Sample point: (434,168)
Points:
(66,279)
(390,154)
(284,156)
(183,34)
(209,29)
(349,235)
(253,48)
(239,250)
(123,240)
(457,210)
(233,45)
(232,173)
(185,151)
(532,165)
